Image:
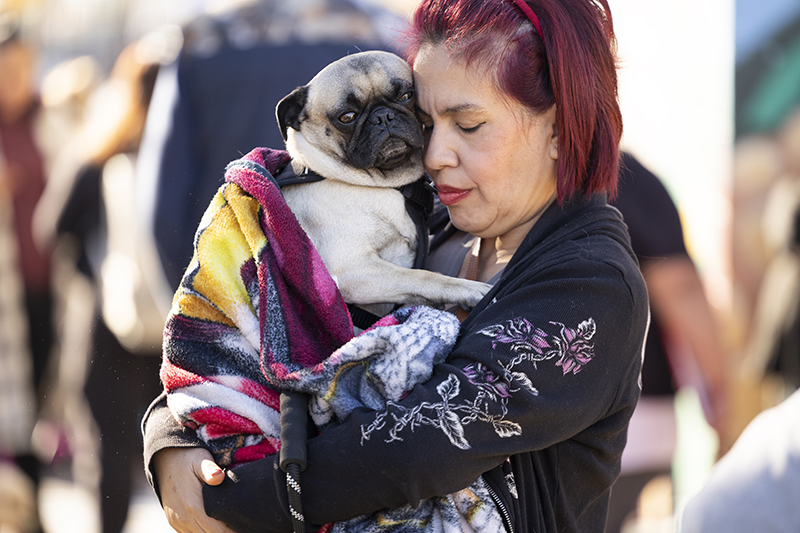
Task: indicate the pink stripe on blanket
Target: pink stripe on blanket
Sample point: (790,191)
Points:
(335,357)
(219,423)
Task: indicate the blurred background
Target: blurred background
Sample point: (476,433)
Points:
(101,101)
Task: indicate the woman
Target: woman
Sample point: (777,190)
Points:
(522,124)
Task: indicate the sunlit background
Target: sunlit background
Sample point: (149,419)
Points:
(707,89)
(676,86)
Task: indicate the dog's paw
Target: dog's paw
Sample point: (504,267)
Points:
(469,293)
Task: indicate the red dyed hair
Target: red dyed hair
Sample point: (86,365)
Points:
(572,65)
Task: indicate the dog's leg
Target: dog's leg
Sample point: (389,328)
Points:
(374,280)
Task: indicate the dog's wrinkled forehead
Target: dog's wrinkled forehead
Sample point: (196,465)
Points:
(362,76)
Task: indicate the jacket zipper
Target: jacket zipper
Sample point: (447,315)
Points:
(502,508)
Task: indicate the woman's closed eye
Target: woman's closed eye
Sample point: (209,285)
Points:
(427,123)
(470,129)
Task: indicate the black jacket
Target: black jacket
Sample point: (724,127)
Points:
(536,397)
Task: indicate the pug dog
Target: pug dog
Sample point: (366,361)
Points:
(355,125)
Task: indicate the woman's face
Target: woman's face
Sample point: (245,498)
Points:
(493,162)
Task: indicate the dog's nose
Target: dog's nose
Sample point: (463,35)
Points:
(382,116)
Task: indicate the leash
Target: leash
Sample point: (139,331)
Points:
(294,420)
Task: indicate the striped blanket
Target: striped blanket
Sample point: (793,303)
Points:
(257,313)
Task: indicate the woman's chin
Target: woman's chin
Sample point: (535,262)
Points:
(462,220)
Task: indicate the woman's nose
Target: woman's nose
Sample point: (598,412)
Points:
(439,152)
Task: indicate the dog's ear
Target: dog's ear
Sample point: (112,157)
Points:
(290,108)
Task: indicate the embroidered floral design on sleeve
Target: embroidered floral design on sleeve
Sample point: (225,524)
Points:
(571,347)
(485,379)
(451,417)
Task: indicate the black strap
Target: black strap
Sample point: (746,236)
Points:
(287,176)
(361,317)
(419,206)
(294,420)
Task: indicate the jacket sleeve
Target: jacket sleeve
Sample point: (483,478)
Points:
(160,430)
(554,357)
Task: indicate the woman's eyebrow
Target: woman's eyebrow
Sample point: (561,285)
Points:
(453,110)
(460,108)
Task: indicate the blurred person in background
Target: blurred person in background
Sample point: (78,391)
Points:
(97,218)
(217,101)
(65,90)
(683,345)
(19,469)
(756,485)
(773,351)
(22,180)
(774,346)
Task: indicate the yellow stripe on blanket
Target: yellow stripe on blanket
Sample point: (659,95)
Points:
(194,306)
(222,248)
(246,210)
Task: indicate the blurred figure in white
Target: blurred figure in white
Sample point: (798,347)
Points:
(756,485)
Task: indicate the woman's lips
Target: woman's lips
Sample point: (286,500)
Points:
(451,195)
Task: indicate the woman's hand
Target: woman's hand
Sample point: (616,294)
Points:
(181,473)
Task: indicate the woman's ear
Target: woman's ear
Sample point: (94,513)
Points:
(552,119)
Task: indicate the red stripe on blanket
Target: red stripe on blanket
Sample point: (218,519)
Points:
(174,377)
(220,422)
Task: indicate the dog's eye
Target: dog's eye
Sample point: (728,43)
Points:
(347,118)
(406,96)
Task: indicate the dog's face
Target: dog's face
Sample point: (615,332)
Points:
(356,120)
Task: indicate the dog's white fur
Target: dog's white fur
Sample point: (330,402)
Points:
(356,218)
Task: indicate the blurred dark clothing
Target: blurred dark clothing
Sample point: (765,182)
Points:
(81,217)
(118,388)
(22,170)
(217,102)
(656,232)
(120,383)
(94,217)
